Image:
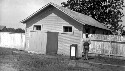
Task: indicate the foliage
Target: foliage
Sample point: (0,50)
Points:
(107,12)
(18,30)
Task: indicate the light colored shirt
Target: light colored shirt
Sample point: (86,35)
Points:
(86,40)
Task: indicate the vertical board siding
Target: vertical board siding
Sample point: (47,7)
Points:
(108,44)
(27,36)
(37,42)
(12,40)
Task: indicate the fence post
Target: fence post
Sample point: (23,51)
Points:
(110,48)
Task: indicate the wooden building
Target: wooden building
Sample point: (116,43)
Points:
(54,28)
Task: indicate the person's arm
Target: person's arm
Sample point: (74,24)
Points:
(83,40)
(89,41)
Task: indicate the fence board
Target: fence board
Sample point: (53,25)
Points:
(107,44)
(12,40)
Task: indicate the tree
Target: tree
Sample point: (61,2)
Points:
(107,12)
(19,30)
(10,30)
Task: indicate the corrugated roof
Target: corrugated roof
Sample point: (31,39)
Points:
(81,18)
(1,27)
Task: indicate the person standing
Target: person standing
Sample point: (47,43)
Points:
(86,43)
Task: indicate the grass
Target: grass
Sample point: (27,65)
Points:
(23,61)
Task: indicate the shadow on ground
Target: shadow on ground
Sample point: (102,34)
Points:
(15,60)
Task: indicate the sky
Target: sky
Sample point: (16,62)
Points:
(13,11)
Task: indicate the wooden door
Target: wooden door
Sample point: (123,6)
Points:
(52,42)
(37,42)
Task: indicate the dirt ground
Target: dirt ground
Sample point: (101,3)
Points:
(15,60)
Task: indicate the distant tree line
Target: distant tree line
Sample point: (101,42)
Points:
(18,30)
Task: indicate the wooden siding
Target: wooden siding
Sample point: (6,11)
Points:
(64,42)
(12,40)
(37,42)
(35,20)
(54,21)
(108,45)
(27,36)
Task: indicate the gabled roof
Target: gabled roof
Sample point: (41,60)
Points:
(2,27)
(81,18)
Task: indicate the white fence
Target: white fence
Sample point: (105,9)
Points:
(108,44)
(100,44)
(12,40)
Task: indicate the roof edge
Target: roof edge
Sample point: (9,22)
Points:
(56,6)
(30,16)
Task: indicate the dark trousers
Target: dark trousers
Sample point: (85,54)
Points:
(85,51)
